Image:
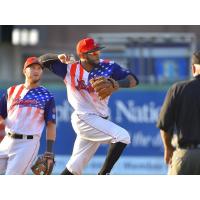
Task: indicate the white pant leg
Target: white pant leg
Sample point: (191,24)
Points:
(95,128)
(4,148)
(91,131)
(82,153)
(3,165)
(21,155)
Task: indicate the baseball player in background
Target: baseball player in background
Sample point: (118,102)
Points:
(90,82)
(24,110)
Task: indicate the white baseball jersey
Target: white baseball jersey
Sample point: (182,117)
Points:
(80,93)
(27,110)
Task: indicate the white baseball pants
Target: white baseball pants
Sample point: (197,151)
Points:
(17,155)
(92,130)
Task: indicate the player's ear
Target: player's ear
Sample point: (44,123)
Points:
(24,71)
(82,56)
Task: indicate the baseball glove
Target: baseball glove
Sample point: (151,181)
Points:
(104,86)
(44,164)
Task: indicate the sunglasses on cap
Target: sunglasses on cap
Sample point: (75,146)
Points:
(94,53)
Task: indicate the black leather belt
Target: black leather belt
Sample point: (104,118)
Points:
(20,136)
(105,117)
(189,146)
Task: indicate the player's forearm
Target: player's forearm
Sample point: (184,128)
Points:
(54,64)
(128,82)
(48,59)
(50,136)
(166,139)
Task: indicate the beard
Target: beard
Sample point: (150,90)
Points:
(93,62)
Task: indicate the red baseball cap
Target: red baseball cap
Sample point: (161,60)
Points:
(32,60)
(87,45)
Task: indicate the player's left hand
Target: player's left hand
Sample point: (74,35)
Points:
(104,86)
(44,164)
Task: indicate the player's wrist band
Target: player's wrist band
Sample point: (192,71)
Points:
(50,145)
(124,83)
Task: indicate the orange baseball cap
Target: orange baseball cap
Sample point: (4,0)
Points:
(32,60)
(87,45)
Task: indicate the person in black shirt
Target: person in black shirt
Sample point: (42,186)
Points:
(180,113)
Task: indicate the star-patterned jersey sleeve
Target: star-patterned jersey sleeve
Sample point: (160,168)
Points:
(3,106)
(52,62)
(50,111)
(119,73)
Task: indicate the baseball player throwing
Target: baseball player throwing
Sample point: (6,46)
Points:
(90,82)
(24,110)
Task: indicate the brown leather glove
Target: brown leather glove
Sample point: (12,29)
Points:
(104,86)
(44,164)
